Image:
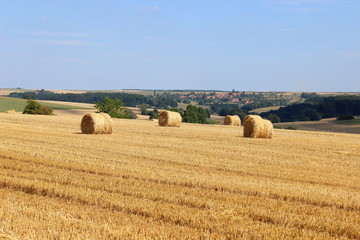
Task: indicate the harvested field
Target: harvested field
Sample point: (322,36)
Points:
(265,109)
(324,125)
(193,182)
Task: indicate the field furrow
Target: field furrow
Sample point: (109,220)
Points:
(192,182)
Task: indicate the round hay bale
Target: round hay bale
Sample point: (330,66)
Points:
(232,120)
(246,118)
(96,123)
(169,119)
(10,111)
(256,127)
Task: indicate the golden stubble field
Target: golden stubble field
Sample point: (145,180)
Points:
(192,182)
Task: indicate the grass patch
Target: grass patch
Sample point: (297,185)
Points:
(7,103)
(212,121)
(348,122)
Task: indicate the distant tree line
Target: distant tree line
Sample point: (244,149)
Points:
(224,109)
(345,117)
(307,95)
(318,108)
(194,114)
(130,99)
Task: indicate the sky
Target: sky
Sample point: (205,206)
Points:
(246,45)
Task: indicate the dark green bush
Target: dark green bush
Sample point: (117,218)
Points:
(154,114)
(345,117)
(212,121)
(194,114)
(273,118)
(144,109)
(33,107)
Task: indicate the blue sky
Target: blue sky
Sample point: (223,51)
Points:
(261,45)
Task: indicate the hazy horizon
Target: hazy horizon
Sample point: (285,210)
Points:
(180,90)
(260,45)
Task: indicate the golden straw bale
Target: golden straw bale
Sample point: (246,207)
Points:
(96,123)
(246,118)
(10,111)
(256,127)
(232,120)
(169,119)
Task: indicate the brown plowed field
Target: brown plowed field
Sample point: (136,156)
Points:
(324,125)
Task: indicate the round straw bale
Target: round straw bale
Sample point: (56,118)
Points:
(10,111)
(256,127)
(232,120)
(96,123)
(246,118)
(169,119)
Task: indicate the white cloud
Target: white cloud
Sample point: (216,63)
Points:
(151,8)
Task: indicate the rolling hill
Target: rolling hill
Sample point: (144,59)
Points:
(8,103)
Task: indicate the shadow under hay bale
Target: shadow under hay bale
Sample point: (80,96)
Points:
(232,120)
(169,119)
(96,123)
(256,127)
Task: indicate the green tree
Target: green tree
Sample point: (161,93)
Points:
(179,110)
(144,109)
(310,114)
(345,117)
(28,97)
(194,114)
(115,108)
(154,114)
(33,107)
(273,118)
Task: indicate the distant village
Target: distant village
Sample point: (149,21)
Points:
(226,97)
(236,97)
